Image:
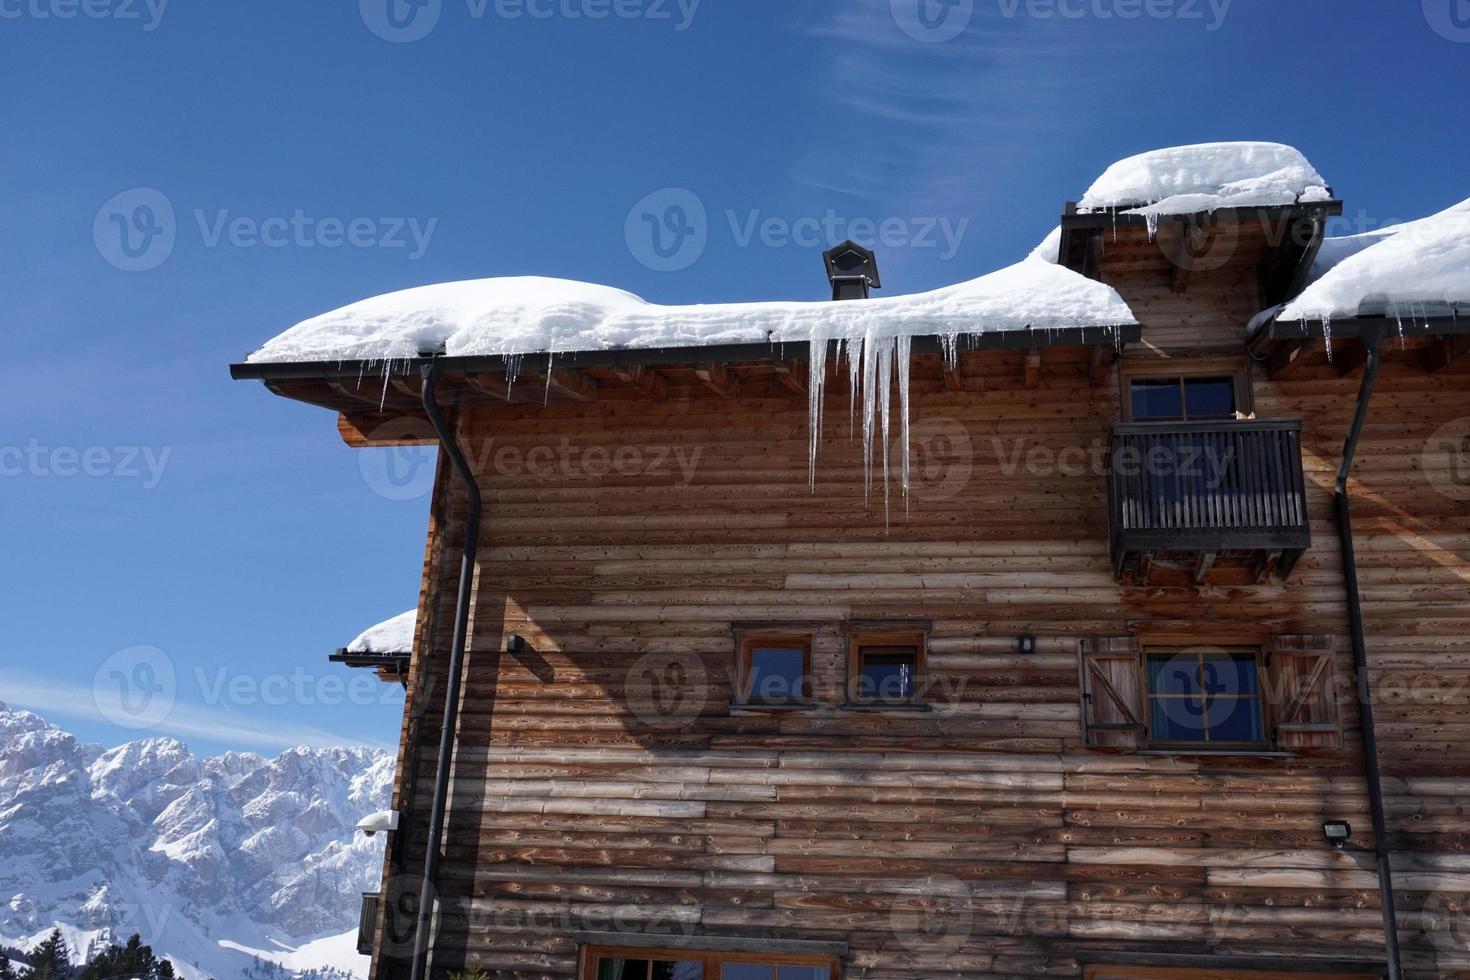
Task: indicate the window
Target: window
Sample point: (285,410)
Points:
(774,670)
(886,668)
(1175,399)
(1207,695)
(652,964)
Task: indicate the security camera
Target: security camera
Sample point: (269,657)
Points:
(382,820)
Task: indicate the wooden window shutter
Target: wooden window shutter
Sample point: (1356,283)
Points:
(1303,691)
(1112,692)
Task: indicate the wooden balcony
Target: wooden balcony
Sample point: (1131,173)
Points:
(1207,496)
(367,922)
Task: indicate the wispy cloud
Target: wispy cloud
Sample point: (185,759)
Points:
(936,125)
(51,698)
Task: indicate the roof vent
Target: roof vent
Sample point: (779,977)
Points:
(852,270)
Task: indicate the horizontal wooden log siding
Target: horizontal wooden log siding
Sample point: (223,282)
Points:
(988,818)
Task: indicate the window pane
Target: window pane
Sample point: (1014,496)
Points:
(804,973)
(684,970)
(888,676)
(747,971)
(622,970)
(1231,673)
(1176,719)
(1235,720)
(1158,399)
(776,673)
(1173,673)
(1209,397)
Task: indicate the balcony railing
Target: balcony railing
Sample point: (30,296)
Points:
(367,922)
(1207,492)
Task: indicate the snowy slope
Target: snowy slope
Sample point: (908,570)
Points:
(206,858)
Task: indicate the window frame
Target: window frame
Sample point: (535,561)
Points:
(1239,374)
(1263,702)
(906,636)
(711,960)
(745,643)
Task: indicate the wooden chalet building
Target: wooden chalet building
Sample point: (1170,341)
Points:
(1071,707)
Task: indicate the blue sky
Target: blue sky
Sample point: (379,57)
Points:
(316,153)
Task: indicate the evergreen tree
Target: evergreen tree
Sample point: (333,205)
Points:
(7,972)
(50,960)
(133,961)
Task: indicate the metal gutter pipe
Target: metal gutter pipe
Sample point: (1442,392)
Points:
(1372,340)
(429,373)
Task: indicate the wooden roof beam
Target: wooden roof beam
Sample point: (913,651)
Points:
(571,385)
(792,375)
(1285,357)
(715,377)
(954,374)
(1031,367)
(644,378)
(1445,351)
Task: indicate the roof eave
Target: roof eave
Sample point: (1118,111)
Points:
(1024,339)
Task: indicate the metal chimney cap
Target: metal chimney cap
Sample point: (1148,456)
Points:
(851,261)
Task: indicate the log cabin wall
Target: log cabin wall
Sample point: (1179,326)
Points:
(603,782)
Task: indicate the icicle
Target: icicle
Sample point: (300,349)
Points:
(816,379)
(904,345)
(884,394)
(512,371)
(869,382)
(1327,336)
(546,395)
(1153,225)
(855,346)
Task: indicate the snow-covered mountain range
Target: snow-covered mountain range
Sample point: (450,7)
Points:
(217,862)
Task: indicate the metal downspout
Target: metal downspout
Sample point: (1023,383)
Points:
(1371,339)
(428,372)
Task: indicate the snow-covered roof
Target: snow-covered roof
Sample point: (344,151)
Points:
(529,315)
(1418,268)
(1207,177)
(391,636)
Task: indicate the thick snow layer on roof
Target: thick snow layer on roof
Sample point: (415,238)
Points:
(393,636)
(1416,268)
(533,315)
(1206,177)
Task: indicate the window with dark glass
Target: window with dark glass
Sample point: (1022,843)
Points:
(886,668)
(1209,695)
(613,964)
(1178,399)
(775,669)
